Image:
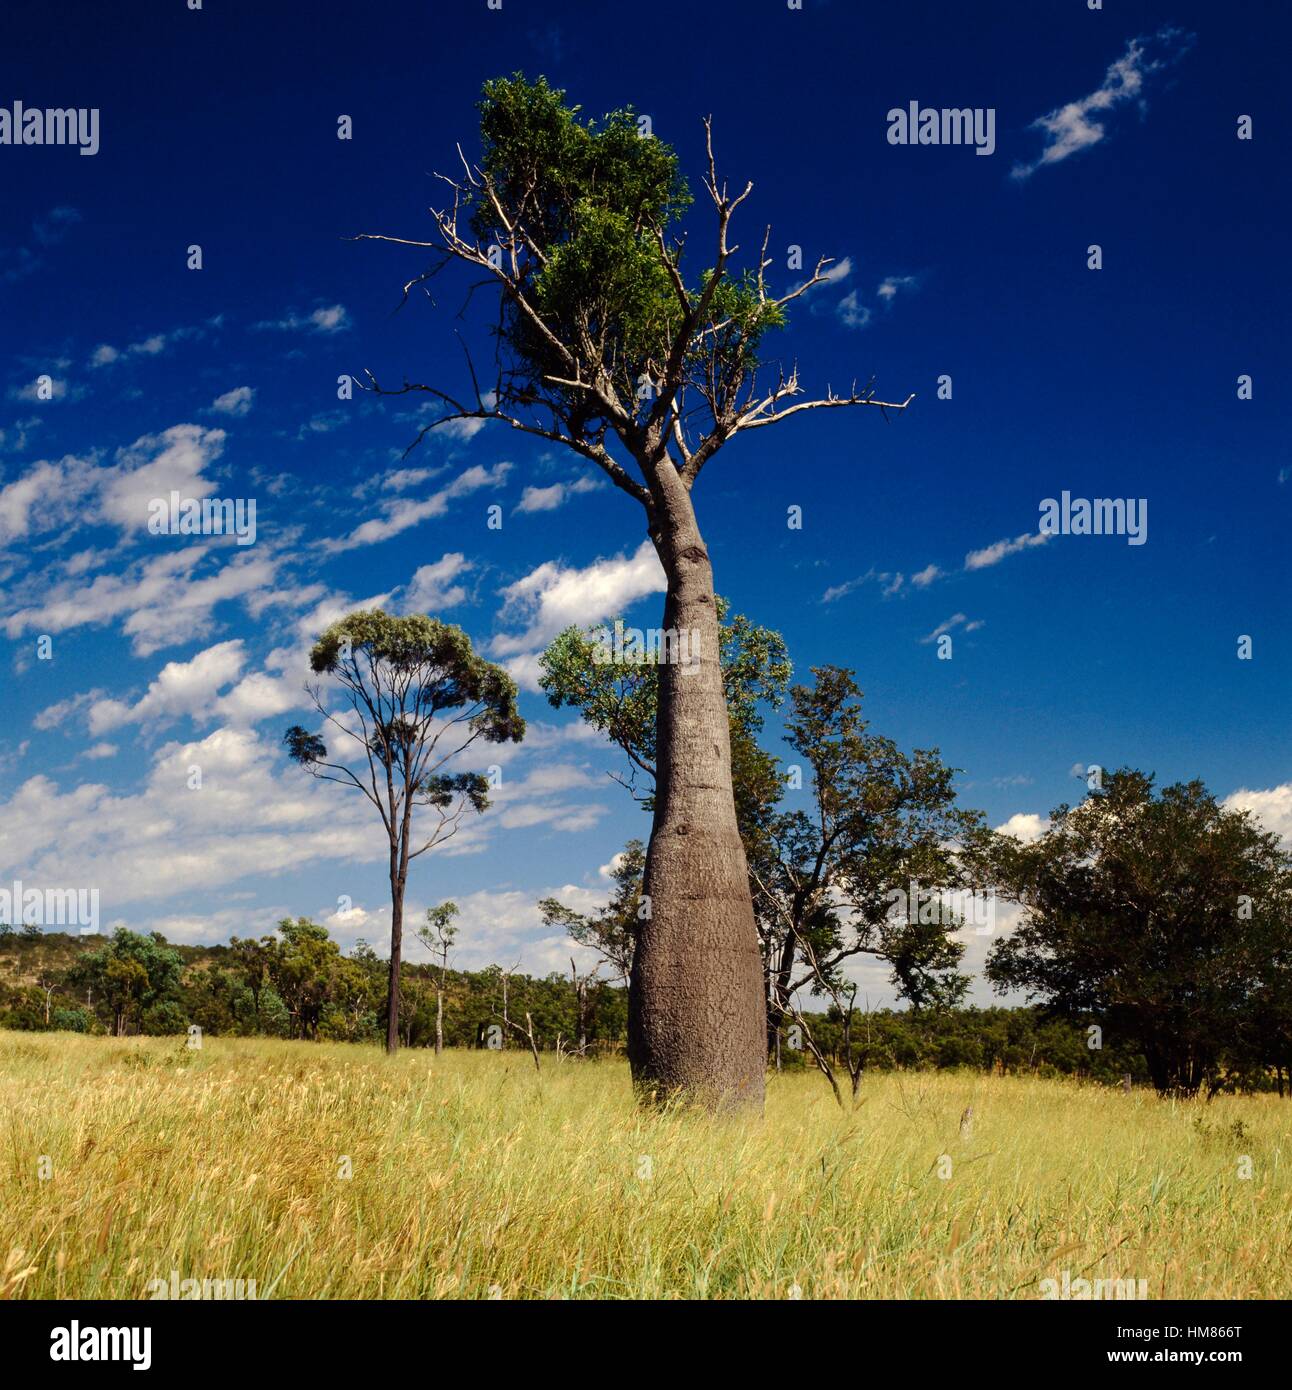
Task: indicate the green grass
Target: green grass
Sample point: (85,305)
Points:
(474,1177)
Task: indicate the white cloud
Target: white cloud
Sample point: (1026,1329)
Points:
(1025,826)
(402,478)
(503,927)
(993,554)
(888,582)
(153,346)
(541,499)
(61,496)
(1272,807)
(1072,127)
(432,588)
(331,319)
(852,311)
(181,688)
(399,514)
(548,499)
(525,670)
(460,429)
(554,597)
(235,402)
(923,578)
(154,466)
(889,286)
(162,600)
(953,622)
(56,389)
(168,839)
(57,715)
(45,498)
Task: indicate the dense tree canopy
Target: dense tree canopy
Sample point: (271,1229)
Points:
(1166,918)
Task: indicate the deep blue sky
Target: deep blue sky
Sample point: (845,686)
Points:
(218,127)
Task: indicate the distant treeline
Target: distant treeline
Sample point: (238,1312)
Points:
(300,985)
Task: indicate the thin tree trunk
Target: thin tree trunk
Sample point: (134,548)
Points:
(396,952)
(697,1019)
(439,1020)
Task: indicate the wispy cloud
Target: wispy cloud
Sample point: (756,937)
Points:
(331,318)
(106,355)
(852,311)
(555,596)
(890,285)
(892,582)
(923,578)
(46,388)
(855,313)
(949,625)
(993,554)
(432,586)
(17,262)
(889,583)
(1079,124)
(548,499)
(235,402)
(398,514)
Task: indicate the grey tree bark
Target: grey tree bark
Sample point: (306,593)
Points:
(696,1011)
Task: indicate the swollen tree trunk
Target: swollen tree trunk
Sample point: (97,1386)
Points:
(696,1011)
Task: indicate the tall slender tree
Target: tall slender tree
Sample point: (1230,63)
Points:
(418,696)
(438,936)
(606,345)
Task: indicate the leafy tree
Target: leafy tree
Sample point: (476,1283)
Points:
(834,882)
(621,700)
(129,973)
(72,1021)
(612,932)
(251,960)
(420,696)
(1264,1038)
(1160,917)
(351,1012)
(607,345)
(303,964)
(217,1000)
(438,936)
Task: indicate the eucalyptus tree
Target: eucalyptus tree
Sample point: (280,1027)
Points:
(1162,917)
(438,936)
(612,931)
(868,863)
(607,345)
(417,696)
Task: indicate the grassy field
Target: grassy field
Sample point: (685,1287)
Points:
(471,1176)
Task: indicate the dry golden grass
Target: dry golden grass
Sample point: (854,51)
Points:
(473,1177)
